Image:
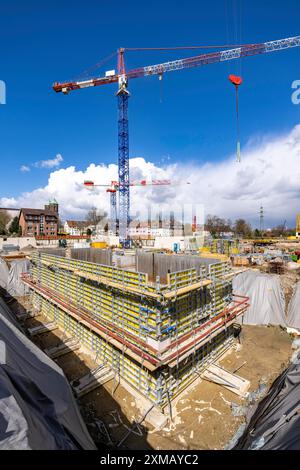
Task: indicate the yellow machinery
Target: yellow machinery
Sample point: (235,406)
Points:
(99,245)
(298,226)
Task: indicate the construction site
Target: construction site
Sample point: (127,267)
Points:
(155,334)
(158,349)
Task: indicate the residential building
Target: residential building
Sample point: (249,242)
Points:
(77,227)
(39,222)
(157,228)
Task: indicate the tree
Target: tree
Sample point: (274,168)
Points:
(60,227)
(4,219)
(93,218)
(215,225)
(242,229)
(14,226)
(278,231)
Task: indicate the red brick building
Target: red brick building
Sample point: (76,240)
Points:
(38,222)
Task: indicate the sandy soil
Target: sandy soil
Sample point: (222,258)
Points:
(202,417)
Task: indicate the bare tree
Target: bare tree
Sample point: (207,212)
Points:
(215,225)
(279,231)
(93,217)
(4,219)
(242,229)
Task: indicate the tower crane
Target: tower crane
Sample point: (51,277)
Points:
(115,186)
(123,76)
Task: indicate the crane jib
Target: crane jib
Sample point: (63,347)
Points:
(221,56)
(179,64)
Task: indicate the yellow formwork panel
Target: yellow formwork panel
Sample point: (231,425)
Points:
(129,313)
(158,386)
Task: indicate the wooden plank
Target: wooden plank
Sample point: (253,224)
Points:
(12,257)
(234,383)
(189,288)
(234,273)
(116,285)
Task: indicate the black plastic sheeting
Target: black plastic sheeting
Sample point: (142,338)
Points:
(37,407)
(275,425)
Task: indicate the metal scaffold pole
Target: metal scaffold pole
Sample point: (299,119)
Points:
(113,212)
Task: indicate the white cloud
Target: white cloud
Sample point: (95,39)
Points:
(268,175)
(51,163)
(24,168)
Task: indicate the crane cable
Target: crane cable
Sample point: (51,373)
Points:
(238,144)
(237,81)
(236,6)
(87,73)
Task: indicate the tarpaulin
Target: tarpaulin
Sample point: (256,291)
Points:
(15,286)
(266,298)
(275,425)
(37,407)
(4,272)
(10,276)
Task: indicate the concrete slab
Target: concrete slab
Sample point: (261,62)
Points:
(61,349)
(227,379)
(92,380)
(38,330)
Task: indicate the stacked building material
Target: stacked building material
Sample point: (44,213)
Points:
(156,336)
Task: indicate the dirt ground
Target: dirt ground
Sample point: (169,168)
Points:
(202,417)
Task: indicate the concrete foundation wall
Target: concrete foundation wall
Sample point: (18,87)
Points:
(20,242)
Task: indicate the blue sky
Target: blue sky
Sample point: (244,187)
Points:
(43,42)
